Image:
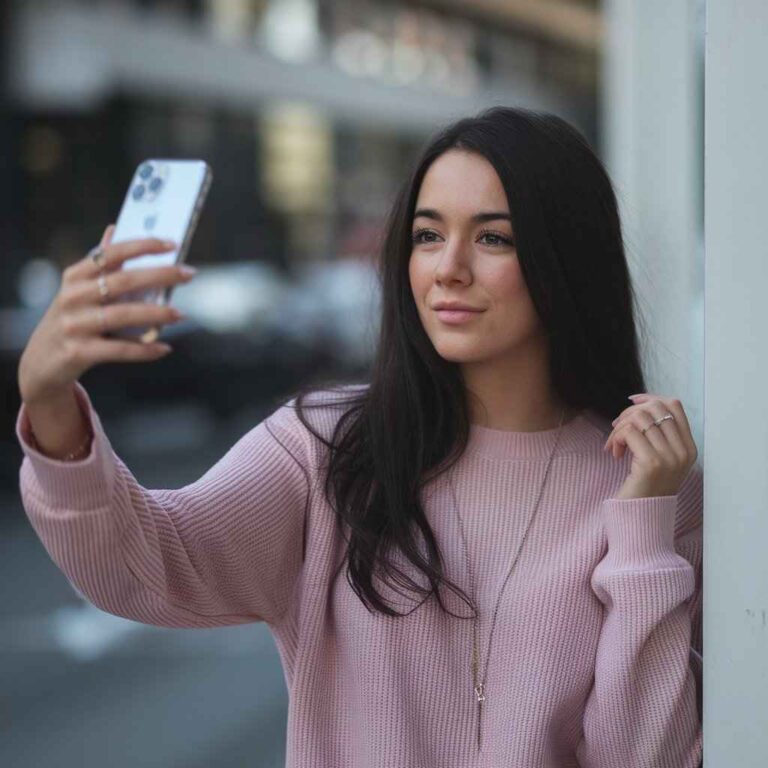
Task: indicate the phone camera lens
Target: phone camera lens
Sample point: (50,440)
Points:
(155,184)
(138,191)
(145,171)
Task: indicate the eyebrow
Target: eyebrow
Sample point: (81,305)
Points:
(431,213)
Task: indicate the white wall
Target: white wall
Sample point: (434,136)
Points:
(736,383)
(652,127)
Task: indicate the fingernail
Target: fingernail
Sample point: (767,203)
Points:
(185,269)
(169,243)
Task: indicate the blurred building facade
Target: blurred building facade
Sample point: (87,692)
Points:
(308,112)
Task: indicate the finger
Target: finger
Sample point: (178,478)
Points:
(106,238)
(683,427)
(662,437)
(680,436)
(87,320)
(101,350)
(619,421)
(637,442)
(86,292)
(639,401)
(116,253)
(129,280)
(626,417)
(624,413)
(665,438)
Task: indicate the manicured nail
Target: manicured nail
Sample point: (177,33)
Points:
(185,269)
(169,243)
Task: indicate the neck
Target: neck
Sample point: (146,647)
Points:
(514,397)
(528,421)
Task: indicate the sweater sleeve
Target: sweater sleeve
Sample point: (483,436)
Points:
(644,707)
(225,549)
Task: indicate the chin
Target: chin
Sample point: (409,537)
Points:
(455,353)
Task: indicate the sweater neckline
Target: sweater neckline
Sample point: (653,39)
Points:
(583,432)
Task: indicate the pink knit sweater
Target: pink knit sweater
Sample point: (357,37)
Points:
(596,655)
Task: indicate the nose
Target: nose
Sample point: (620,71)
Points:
(452,264)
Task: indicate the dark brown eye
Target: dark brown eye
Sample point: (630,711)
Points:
(501,239)
(417,236)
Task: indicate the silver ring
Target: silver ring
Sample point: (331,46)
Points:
(103,290)
(97,255)
(657,422)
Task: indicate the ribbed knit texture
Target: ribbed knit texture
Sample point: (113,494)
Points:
(596,657)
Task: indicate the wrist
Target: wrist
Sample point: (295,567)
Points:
(58,427)
(78,453)
(641,532)
(50,399)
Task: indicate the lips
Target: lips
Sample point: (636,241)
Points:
(456,316)
(457,307)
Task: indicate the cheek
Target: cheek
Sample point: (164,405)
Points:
(420,279)
(513,313)
(504,283)
(411,274)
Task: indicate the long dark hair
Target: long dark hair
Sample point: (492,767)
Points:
(410,422)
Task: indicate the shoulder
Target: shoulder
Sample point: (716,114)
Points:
(601,423)
(306,425)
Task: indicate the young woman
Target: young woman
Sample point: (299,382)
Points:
(521,574)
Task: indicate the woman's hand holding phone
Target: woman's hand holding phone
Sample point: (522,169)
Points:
(68,339)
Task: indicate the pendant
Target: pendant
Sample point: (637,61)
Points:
(479,692)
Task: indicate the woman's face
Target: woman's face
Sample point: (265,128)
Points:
(455,257)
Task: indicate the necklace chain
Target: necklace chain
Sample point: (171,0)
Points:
(479,687)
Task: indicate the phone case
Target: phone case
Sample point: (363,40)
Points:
(164,199)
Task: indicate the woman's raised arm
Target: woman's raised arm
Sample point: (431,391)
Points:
(226,549)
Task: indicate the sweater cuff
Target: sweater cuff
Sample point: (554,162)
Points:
(82,484)
(641,532)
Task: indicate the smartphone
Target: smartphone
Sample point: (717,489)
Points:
(164,199)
